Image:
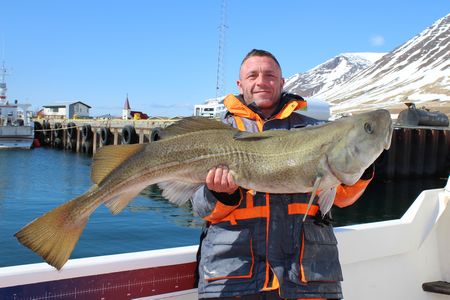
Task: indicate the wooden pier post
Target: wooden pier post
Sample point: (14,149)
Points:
(64,137)
(141,136)
(94,140)
(78,140)
(116,136)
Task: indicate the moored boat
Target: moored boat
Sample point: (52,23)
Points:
(406,258)
(16,127)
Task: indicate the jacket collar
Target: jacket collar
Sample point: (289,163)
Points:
(287,105)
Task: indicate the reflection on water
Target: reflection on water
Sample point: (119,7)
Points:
(384,200)
(182,216)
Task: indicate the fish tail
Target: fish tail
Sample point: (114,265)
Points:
(54,235)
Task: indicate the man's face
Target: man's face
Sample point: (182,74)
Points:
(260,81)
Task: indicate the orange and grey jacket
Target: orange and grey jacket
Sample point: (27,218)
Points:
(258,241)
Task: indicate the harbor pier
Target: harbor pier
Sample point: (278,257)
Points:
(87,135)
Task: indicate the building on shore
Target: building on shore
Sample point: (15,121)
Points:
(72,110)
(126,111)
(128,114)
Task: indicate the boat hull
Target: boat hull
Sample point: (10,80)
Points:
(16,137)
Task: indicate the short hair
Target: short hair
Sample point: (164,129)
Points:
(259,52)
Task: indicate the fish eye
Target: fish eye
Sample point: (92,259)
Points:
(368,128)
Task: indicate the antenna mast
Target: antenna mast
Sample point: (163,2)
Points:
(220,58)
(3,88)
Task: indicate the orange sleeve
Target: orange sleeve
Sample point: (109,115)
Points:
(348,194)
(221,210)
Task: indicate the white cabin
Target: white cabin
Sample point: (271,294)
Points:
(212,108)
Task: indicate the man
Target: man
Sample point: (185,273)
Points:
(256,245)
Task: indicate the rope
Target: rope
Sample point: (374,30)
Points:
(53,129)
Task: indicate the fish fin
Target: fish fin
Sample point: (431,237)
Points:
(120,201)
(326,200)
(108,158)
(193,124)
(178,192)
(313,195)
(54,235)
(256,136)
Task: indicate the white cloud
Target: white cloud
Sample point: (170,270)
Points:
(377,40)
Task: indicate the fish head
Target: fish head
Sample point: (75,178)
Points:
(363,139)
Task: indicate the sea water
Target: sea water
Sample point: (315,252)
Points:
(35,181)
(32,182)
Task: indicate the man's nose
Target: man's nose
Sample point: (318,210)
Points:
(261,79)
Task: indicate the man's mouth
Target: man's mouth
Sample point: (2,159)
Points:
(261,92)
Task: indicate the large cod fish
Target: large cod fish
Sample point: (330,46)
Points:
(277,161)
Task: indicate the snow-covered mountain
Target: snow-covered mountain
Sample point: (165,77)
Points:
(331,73)
(417,71)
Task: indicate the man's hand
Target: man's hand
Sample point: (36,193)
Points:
(220,180)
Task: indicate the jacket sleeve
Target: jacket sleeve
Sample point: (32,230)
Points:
(212,206)
(346,195)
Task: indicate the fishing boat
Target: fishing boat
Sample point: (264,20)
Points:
(406,258)
(16,127)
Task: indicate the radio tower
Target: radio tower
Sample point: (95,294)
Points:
(220,58)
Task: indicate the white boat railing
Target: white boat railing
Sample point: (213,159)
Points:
(380,260)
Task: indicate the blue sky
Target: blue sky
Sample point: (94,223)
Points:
(164,53)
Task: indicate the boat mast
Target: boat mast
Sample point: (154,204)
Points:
(3,84)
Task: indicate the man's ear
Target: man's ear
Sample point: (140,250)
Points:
(238,82)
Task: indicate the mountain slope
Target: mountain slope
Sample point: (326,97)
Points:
(331,73)
(417,71)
